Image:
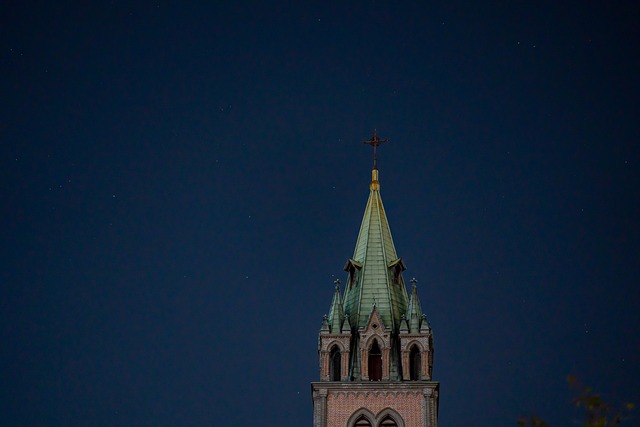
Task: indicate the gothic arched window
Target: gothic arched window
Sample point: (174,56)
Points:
(415,363)
(362,422)
(388,422)
(335,360)
(375,362)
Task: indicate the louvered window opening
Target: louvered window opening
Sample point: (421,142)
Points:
(375,362)
(415,362)
(335,367)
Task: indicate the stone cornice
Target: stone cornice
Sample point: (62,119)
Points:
(375,385)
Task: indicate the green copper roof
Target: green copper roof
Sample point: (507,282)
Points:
(335,312)
(375,276)
(415,311)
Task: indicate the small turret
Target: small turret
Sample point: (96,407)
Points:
(415,310)
(336,315)
(416,342)
(334,344)
(325,325)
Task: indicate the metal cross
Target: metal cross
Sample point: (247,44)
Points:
(374,142)
(337,283)
(413,281)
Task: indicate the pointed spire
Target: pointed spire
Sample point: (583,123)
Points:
(379,278)
(335,312)
(415,311)
(325,324)
(404,326)
(346,326)
(424,324)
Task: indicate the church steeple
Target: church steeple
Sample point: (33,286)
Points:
(375,346)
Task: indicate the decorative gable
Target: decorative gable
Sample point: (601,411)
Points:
(375,323)
(375,345)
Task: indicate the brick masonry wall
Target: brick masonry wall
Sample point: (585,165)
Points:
(342,404)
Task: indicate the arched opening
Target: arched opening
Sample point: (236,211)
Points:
(388,422)
(335,368)
(362,422)
(375,362)
(415,363)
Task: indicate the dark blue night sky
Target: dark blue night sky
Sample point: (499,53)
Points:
(181,184)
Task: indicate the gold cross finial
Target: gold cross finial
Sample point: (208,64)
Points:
(374,142)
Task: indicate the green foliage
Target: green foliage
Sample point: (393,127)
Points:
(597,412)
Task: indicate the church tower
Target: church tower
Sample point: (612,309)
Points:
(375,345)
